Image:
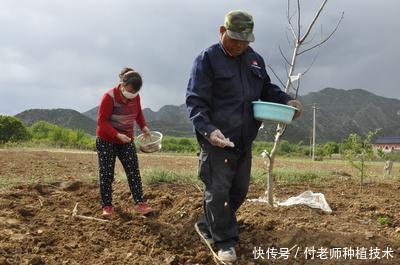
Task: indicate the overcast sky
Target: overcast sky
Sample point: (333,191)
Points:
(66,53)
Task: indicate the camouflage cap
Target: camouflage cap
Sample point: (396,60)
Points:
(239,25)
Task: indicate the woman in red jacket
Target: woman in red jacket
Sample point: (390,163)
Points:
(118,111)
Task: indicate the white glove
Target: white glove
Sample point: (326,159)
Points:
(218,139)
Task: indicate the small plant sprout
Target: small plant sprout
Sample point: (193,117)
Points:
(383,221)
(181,212)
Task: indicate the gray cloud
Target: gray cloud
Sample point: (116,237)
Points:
(67,53)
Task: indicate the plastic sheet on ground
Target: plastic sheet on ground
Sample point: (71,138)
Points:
(308,198)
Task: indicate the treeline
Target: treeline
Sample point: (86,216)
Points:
(14,132)
(41,133)
(189,145)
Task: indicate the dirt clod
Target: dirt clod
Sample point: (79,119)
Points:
(70,185)
(37,261)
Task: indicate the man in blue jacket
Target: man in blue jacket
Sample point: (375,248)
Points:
(225,79)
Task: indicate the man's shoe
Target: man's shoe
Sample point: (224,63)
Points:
(227,254)
(143,208)
(108,210)
(204,235)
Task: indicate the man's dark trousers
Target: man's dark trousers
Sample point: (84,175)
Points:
(226,175)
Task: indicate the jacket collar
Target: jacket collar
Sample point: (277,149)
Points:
(228,54)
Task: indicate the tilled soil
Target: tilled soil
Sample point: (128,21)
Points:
(38,227)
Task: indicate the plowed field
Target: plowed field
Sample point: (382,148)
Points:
(40,189)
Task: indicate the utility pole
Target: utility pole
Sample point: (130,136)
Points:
(313,135)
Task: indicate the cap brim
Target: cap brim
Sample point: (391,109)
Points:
(240,36)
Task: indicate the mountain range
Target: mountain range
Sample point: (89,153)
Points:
(338,113)
(64,117)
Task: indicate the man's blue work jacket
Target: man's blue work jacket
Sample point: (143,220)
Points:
(220,91)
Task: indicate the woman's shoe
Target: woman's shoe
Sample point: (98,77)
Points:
(143,208)
(108,210)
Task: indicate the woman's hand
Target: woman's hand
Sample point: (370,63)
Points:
(146,131)
(123,138)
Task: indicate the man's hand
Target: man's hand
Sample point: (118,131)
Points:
(123,138)
(297,104)
(218,139)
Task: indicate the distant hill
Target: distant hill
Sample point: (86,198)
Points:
(339,113)
(170,120)
(65,117)
(92,113)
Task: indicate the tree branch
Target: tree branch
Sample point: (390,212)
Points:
(297,89)
(286,60)
(288,40)
(311,39)
(312,63)
(313,22)
(280,81)
(298,19)
(286,69)
(326,39)
(289,18)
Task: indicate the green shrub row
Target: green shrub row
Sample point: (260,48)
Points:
(41,133)
(14,132)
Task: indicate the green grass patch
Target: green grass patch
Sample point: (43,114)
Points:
(11,181)
(150,176)
(291,175)
(385,221)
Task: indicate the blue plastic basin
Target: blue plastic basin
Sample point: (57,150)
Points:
(268,111)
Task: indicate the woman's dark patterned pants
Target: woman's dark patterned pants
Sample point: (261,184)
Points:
(126,153)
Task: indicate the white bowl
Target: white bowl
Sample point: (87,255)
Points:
(150,144)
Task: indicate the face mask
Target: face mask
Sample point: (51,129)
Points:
(129,95)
